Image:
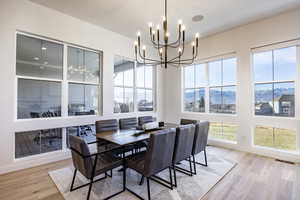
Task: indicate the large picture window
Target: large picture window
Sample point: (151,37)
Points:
(274,77)
(123,85)
(222,86)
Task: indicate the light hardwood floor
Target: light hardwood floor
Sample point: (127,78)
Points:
(254,177)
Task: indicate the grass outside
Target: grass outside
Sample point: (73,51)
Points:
(223,131)
(277,138)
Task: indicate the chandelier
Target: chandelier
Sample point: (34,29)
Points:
(165,45)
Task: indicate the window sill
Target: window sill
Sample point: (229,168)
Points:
(270,149)
(209,114)
(222,141)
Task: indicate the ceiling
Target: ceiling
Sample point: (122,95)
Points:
(128,16)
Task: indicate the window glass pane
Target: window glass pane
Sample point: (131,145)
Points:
(215,130)
(83,99)
(39,58)
(128,100)
(284,99)
(149,101)
(215,100)
(118,99)
(128,77)
(141,99)
(285,139)
(148,76)
(215,73)
(277,138)
(262,63)
(92,64)
(200,75)
(285,64)
(189,100)
(229,132)
(140,76)
(229,71)
(199,100)
(264,136)
(189,76)
(87,132)
(118,78)
(35,142)
(228,97)
(264,99)
(83,65)
(38,99)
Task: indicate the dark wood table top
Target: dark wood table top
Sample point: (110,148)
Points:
(129,136)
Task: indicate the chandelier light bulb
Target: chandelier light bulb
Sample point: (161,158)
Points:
(179,50)
(135,43)
(150,24)
(160,50)
(138,34)
(157,27)
(180,22)
(164,18)
(193,44)
(197,35)
(153,32)
(167,34)
(183,27)
(144,48)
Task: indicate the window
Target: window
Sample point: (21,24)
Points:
(194,88)
(274,76)
(222,86)
(223,131)
(123,85)
(144,88)
(39,69)
(84,81)
(36,142)
(278,138)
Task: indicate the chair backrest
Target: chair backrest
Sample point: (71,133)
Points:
(145,119)
(127,123)
(188,121)
(107,125)
(160,151)
(84,165)
(201,136)
(184,142)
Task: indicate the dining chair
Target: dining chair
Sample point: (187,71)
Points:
(183,149)
(128,123)
(200,142)
(131,123)
(91,165)
(145,119)
(157,158)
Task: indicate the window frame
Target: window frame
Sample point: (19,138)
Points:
(64,81)
(273,47)
(207,86)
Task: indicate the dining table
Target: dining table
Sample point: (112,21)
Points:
(123,137)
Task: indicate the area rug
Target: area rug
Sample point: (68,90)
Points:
(189,188)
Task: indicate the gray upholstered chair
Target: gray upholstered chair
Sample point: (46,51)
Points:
(157,158)
(188,121)
(91,165)
(128,123)
(145,119)
(200,142)
(183,148)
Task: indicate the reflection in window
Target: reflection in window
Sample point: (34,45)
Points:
(223,131)
(83,99)
(87,132)
(36,142)
(144,86)
(123,82)
(277,69)
(194,93)
(39,58)
(38,99)
(83,65)
(222,81)
(277,138)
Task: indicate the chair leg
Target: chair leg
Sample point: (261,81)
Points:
(148,188)
(205,157)
(191,168)
(90,188)
(73,180)
(175,178)
(92,177)
(194,162)
(142,180)
(124,179)
(171,179)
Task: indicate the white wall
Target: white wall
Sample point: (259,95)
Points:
(240,40)
(25,16)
